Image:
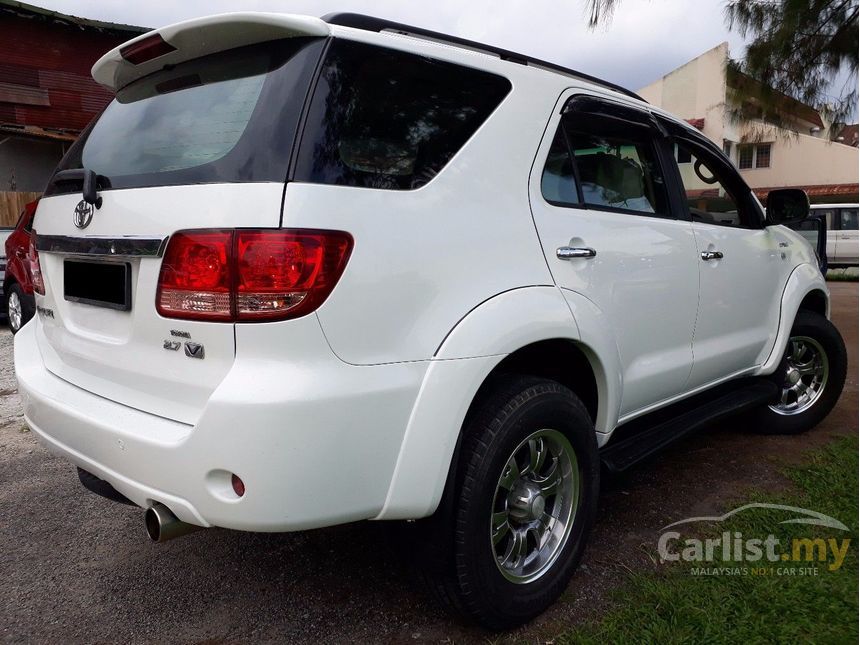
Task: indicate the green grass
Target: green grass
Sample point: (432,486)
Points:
(674,606)
(842,275)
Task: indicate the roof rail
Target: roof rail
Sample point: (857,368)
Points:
(370,23)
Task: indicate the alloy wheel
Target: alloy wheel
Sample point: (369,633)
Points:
(534,506)
(806,373)
(14,311)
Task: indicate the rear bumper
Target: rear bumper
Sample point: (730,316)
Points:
(314,439)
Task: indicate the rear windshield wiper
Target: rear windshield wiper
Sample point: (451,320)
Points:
(90,183)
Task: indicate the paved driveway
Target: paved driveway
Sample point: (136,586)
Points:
(75,567)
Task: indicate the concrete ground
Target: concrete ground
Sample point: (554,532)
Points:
(75,567)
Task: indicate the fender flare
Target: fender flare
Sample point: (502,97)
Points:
(805,279)
(472,349)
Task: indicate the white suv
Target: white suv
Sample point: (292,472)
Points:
(311,271)
(843,244)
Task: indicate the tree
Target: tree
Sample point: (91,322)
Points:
(800,47)
(797,48)
(600,11)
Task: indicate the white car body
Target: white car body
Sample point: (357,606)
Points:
(354,411)
(843,244)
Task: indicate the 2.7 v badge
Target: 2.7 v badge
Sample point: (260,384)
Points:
(192,350)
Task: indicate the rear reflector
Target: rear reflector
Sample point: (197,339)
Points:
(249,274)
(146,49)
(238,485)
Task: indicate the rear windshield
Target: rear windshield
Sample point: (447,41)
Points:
(382,118)
(227,117)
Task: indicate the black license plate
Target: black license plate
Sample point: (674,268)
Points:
(103,284)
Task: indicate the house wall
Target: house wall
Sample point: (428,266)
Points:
(801,160)
(26,164)
(45,72)
(698,90)
(695,90)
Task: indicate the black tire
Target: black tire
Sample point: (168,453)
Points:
(27,304)
(458,556)
(813,326)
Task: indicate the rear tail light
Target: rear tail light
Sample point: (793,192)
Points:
(249,274)
(35,268)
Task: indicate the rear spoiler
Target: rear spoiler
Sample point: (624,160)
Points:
(190,39)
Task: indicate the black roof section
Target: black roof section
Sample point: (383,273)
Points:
(370,23)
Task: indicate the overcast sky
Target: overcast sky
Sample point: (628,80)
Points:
(646,38)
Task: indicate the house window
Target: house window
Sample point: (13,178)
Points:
(754,156)
(727,148)
(682,155)
(745,157)
(762,155)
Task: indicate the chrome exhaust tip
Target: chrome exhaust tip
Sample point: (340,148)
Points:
(162,525)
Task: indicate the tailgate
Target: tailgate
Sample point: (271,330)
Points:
(133,355)
(198,138)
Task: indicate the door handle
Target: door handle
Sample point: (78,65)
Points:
(712,255)
(571,252)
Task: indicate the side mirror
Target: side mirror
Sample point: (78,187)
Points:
(787,205)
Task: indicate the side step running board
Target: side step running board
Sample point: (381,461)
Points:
(643,437)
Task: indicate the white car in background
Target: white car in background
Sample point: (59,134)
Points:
(843,244)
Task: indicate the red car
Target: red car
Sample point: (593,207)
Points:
(18,301)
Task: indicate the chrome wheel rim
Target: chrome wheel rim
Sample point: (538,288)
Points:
(534,506)
(14,311)
(806,373)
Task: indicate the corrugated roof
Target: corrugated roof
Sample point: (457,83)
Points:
(821,190)
(848,135)
(35,132)
(750,87)
(46,89)
(22,8)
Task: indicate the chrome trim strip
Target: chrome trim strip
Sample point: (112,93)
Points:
(115,247)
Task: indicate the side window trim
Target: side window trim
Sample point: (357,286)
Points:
(665,145)
(566,135)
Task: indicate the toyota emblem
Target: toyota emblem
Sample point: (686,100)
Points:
(83,214)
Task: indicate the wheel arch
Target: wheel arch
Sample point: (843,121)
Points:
(805,290)
(525,331)
(563,360)
(815,301)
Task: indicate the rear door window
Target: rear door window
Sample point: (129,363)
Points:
(558,183)
(226,117)
(382,118)
(619,172)
(605,164)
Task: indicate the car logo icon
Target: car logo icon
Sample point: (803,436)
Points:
(83,214)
